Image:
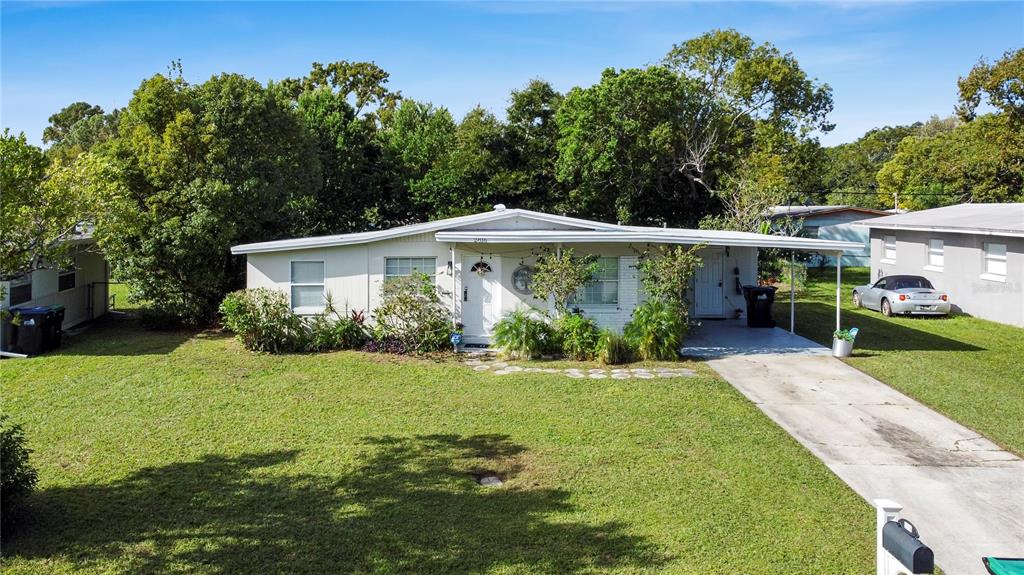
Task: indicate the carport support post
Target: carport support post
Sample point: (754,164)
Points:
(792,292)
(839,287)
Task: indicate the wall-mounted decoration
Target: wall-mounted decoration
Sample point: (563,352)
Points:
(481,268)
(522,277)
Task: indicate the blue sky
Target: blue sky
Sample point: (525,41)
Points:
(887,63)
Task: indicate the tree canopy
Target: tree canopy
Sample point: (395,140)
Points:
(714,134)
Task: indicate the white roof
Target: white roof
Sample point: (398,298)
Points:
(983,219)
(448,230)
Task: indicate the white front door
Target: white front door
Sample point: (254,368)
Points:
(481,297)
(707,288)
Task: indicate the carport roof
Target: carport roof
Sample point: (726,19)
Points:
(984,219)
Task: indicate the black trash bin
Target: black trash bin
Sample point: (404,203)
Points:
(53,328)
(759,305)
(30,326)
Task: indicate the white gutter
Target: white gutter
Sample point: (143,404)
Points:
(940,229)
(745,240)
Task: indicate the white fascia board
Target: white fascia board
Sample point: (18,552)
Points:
(738,240)
(940,229)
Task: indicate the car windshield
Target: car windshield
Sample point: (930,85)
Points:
(910,283)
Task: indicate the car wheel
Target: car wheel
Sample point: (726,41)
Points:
(856,300)
(886,308)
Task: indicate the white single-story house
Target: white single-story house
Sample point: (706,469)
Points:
(834,223)
(974,252)
(482,264)
(82,288)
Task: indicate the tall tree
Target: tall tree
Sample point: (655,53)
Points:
(32,222)
(618,145)
(736,85)
(203,167)
(63,121)
(528,178)
(461,181)
(413,138)
(1002,82)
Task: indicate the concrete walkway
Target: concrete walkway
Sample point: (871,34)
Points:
(964,493)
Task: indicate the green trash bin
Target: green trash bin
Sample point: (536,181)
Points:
(1004,565)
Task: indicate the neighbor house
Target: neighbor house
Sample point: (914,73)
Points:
(482,265)
(974,252)
(833,223)
(81,288)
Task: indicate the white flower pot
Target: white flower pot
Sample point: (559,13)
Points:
(841,348)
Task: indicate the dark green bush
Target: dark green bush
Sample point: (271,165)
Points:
(614,349)
(331,330)
(17,476)
(524,334)
(411,313)
(263,320)
(657,330)
(578,336)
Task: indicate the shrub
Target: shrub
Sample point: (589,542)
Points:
(521,334)
(561,275)
(19,477)
(657,329)
(578,336)
(263,320)
(412,313)
(330,330)
(386,345)
(614,349)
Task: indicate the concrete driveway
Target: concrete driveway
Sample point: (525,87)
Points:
(964,493)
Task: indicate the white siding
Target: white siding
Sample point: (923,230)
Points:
(354,274)
(91,269)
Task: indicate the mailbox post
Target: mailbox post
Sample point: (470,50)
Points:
(898,550)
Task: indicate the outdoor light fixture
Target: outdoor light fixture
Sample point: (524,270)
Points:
(449,267)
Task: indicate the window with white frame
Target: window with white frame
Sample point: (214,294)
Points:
(603,288)
(66,279)
(307,286)
(890,248)
(936,253)
(995,260)
(398,267)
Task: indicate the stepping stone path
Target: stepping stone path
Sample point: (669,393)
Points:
(487,362)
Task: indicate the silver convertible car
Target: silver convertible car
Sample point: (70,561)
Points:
(902,295)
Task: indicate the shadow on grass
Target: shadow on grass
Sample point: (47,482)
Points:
(410,506)
(124,335)
(816,321)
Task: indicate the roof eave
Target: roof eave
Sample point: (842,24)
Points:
(940,229)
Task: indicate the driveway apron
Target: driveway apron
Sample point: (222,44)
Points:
(964,493)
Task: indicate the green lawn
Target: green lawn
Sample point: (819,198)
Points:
(181,452)
(964,367)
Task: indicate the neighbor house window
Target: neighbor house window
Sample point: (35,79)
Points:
(936,253)
(307,287)
(995,260)
(603,288)
(890,248)
(66,280)
(399,267)
(21,290)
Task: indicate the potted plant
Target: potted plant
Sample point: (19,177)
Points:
(842,342)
